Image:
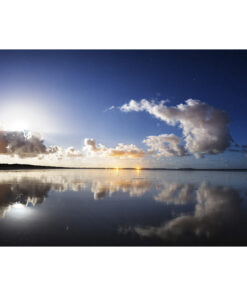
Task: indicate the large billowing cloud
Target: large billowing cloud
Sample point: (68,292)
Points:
(28,145)
(121,150)
(205,129)
(165,145)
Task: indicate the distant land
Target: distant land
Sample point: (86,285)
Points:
(37,167)
(5,166)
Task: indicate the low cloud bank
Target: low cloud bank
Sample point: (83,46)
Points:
(121,150)
(28,145)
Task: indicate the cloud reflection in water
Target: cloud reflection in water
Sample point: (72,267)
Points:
(216,208)
(32,187)
(178,207)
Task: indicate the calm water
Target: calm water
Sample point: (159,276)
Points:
(109,207)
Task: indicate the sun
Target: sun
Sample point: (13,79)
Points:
(18,206)
(18,125)
(18,114)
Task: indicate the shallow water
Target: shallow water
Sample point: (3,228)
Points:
(122,207)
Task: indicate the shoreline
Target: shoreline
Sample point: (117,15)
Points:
(34,167)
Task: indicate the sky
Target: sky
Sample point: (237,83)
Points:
(169,109)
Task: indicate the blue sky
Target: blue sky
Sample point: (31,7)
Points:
(68,93)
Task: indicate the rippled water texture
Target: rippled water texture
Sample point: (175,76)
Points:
(122,207)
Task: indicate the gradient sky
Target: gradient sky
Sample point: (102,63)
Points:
(66,96)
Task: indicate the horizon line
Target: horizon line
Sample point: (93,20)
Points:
(31,166)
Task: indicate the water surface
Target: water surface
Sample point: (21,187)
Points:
(122,207)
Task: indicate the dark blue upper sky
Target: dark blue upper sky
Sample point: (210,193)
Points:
(76,87)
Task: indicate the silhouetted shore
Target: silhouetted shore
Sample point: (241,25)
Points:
(4,166)
(37,167)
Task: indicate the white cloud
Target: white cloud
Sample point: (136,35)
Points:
(90,146)
(121,150)
(165,145)
(28,145)
(205,129)
(72,152)
(21,144)
(110,108)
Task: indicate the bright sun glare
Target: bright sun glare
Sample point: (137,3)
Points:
(18,206)
(18,125)
(17,115)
